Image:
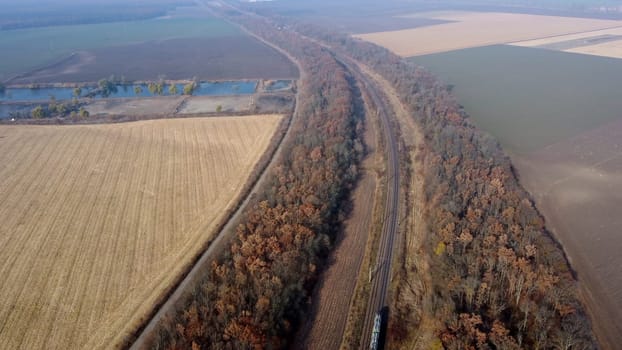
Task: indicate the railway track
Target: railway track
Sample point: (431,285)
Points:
(381,273)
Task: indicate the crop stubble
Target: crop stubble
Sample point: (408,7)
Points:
(98,220)
(611,48)
(472,29)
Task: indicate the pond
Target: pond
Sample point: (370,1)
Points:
(128,91)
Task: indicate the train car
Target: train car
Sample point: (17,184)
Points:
(375,333)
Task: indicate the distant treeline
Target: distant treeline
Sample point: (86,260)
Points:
(499,280)
(42,15)
(254,295)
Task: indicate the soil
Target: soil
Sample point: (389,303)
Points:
(218,58)
(575,184)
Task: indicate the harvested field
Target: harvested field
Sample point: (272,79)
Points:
(608,49)
(561,124)
(560,38)
(98,220)
(473,29)
(223,57)
(606,43)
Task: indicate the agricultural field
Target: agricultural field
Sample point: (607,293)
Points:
(559,116)
(531,98)
(98,220)
(474,29)
(18,14)
(224,56)
(27,49)
(351,16)
(606,43)
(576,183)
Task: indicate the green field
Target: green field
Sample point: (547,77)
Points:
(25,49)
(529,98)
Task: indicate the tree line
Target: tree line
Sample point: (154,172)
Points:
(254,295)
(499,279)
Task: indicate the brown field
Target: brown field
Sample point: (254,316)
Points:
(576,185)
(473,29)
(611,48)
(98,220)
(213,58)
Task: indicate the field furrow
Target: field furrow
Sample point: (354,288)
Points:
(52,252)
(99,219)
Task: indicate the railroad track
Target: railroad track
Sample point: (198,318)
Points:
(380,274)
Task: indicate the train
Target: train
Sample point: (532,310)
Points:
(378,333)
(375,333)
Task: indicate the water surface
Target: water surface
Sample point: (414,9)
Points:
(128,91)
